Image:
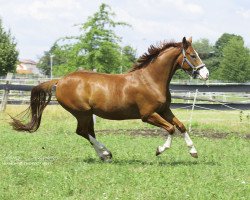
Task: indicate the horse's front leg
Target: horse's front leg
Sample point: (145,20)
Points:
(169,116)
(156,120)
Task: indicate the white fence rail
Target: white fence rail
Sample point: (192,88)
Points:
(213,96)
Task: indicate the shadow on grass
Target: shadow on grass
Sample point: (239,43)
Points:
(144,162)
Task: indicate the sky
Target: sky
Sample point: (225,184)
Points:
(37,24)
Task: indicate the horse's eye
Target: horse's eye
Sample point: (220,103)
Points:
(193,56)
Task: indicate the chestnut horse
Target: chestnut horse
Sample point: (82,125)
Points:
(142,93)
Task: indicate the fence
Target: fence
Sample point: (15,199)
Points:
(185,96)
(15,93)
(217,97)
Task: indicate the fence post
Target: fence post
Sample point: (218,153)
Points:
(5,98)
(191,115)
(189,95)
(6,93)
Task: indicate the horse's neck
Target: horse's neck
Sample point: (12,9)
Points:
(163,68)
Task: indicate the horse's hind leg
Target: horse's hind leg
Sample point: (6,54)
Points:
(85,128)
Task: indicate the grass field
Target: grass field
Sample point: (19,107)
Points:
(55,163)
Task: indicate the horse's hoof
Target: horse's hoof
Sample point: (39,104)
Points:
(108,160)
(194,155)
(106,157)
(157,153)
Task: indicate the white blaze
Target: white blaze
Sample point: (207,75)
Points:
(203,73)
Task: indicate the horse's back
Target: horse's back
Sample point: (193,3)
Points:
(106,95)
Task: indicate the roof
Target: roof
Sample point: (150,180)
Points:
(28,61)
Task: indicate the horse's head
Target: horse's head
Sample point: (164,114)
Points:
(190,61)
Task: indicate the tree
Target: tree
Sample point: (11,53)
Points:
(97,46)
(58,59)
(203,47)
(8,52)
(215,60)
(128,58)
(235,65)
(223,41)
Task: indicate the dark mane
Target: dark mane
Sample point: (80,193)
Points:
(153,52)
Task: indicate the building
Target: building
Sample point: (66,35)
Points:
(27,67)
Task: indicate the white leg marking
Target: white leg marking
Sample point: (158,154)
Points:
(166,145)
(190,144)
(100,149)
(95,142)
(188,140)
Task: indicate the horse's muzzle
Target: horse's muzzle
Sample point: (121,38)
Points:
(202,73)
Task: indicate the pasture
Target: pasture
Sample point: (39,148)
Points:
(55,163)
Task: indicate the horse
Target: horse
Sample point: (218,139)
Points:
(141,93)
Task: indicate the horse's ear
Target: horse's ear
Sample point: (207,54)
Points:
(184,43)
(190,40)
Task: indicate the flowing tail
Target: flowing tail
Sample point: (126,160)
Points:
(40,98)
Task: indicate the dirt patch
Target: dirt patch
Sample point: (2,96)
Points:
(161,133)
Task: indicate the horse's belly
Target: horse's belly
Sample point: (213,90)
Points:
(118,114)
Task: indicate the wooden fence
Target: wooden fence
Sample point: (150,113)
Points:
(233,96)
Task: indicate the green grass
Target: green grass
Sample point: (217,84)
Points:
(55,163)
(229,122)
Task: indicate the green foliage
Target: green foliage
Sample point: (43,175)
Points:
(58,59)
(181,74)
(8,52)
(128,58)
(235,64)
(218,53)
(97,47)
(203,47)
(223,41)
